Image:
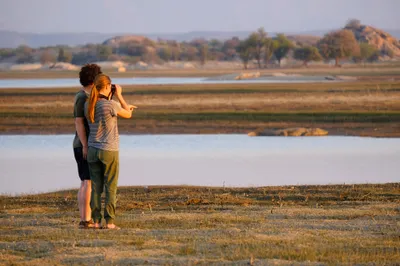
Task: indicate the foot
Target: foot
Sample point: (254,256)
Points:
(111,226)
(86,224)
(96,225)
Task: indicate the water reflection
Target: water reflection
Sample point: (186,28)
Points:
(32,164)
(73,82)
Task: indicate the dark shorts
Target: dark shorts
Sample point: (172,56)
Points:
(83,167)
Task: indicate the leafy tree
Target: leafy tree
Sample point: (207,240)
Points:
(150,55)
(84,57)
(203,53)
(64,56)
(165,53)
(257,42)
(132,48)
(269,49)
(387,51)
(23,50)
(24,54)
(368,53)
(338,44)
(175,50)
(7,53)
(47,57)
(103,52)
(215,45)
(28,58)
(353,24)
(229,48)
(282,47)
(214,50)
(244,50)
(148,42)
(198,43)
(307,54)
(191,53)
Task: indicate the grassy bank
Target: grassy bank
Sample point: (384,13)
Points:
(354,108)
(291,225)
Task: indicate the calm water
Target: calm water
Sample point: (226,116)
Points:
(54,83)
(32,164)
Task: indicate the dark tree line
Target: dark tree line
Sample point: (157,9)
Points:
(258,47)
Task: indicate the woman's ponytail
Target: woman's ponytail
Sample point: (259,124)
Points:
(100,82)
(92,103)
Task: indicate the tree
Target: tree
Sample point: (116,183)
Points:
(165,53)
(24,54)
(244,50)
(353,24)
(149,55)
(47,57)
(338,44)
(83,58)
(64,56)
(175,50)
(282,47)
(191,53)
(6,53)
(307,54)
(229,48)
(269,49)
(257,42)
(215,45)
(387,51)
(368,52)
(103,52)
(132,48)
(203,53)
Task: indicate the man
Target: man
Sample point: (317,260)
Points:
(86,77)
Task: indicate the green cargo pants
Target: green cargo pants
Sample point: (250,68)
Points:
(104,170)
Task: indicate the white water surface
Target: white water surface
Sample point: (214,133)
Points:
(43,163)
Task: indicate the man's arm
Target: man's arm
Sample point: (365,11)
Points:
(80,130)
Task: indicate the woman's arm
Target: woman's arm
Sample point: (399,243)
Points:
(121,99)
(126,111)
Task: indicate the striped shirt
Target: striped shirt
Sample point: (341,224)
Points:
(104,131)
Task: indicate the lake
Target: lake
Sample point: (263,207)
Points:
(43,163)
(70,82)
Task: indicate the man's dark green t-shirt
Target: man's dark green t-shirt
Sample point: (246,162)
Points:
(79,111)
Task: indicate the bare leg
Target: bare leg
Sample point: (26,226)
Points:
(80,199)
(86,194)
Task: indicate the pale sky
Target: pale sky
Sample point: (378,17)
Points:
(176,16)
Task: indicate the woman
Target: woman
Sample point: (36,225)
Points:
(103,155)
(86,77)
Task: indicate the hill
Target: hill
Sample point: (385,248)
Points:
(382,40)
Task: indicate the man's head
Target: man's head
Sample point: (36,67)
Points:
(88,73)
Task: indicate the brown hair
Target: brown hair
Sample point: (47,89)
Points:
(88,73)
(100,82)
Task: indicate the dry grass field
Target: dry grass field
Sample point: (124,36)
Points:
(292,225)
(364,108)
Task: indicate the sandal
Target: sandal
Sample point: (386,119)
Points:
(86,224)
